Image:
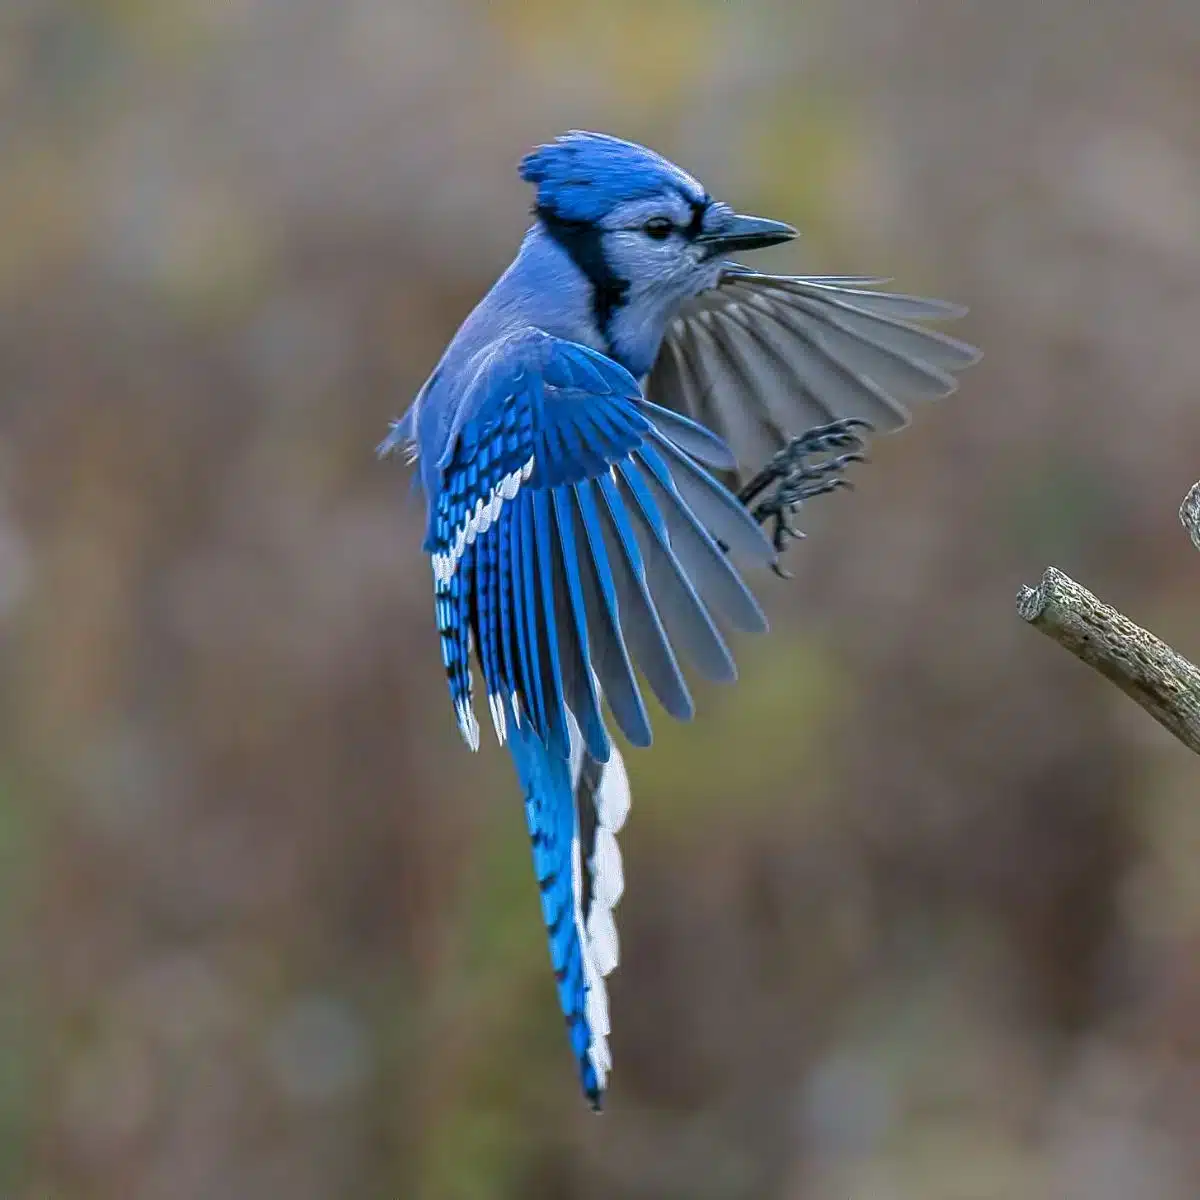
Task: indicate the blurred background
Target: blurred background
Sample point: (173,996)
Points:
(913,912)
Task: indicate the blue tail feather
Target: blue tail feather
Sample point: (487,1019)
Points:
(545,774)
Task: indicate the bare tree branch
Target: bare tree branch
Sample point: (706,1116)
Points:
(1161,680)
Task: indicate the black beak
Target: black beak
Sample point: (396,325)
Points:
(746,233)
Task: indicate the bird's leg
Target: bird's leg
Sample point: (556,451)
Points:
(776,493)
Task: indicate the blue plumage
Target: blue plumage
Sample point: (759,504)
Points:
(566,444)
(550,812)
(583,176)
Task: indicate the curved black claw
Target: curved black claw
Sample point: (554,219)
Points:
(777,492)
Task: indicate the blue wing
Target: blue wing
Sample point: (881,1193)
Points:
(576,535)
(574,539)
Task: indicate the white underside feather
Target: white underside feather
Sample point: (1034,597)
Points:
(598,935)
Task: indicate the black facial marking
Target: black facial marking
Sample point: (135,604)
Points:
(583,243)
(699,208)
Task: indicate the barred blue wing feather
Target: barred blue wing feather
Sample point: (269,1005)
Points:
(643,626)
(687,621)
(520,558)
(612,662)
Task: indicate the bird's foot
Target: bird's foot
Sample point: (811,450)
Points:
(776,493)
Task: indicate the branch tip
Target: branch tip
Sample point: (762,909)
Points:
(1146,669)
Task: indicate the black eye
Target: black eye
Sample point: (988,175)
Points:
(658,228)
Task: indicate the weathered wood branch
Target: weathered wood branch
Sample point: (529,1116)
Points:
(1159,678)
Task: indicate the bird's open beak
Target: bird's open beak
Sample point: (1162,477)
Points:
(746,233)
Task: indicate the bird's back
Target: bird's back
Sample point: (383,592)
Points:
(541,289)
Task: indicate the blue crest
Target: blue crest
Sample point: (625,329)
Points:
(581,176)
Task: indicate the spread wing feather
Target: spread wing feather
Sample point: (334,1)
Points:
(760,359)
(547,583)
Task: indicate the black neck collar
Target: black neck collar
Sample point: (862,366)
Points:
(583,244)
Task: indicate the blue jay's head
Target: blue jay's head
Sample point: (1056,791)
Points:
(643,230)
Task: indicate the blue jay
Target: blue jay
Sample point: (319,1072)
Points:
(577,444)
